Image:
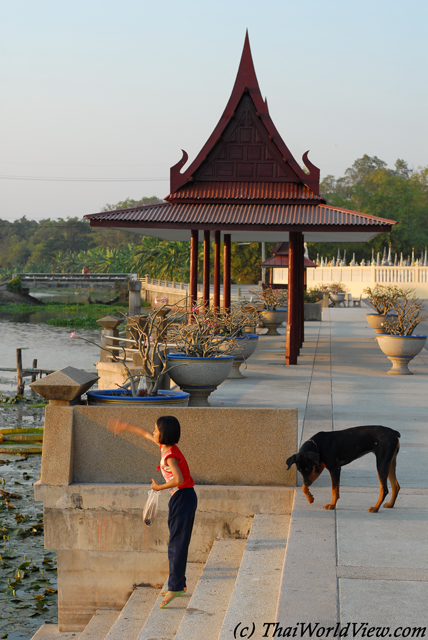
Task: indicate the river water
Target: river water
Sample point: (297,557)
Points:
(28,584)
(51,346)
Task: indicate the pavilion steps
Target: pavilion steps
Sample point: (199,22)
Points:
(239,582)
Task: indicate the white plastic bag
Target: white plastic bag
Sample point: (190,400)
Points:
(151,507)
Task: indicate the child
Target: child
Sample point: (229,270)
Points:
(183,502)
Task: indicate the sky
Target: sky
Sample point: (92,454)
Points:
(98,97)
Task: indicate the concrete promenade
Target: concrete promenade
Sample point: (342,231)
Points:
(349,566)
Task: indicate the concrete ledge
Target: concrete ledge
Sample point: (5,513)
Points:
(109,517)
(230,446)
(245,500)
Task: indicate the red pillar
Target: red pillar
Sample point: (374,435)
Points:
(226,271)
(206,274)
(193,285)
(302,289)
(217,270)
(292,336)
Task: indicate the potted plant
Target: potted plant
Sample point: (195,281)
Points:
(208,356)
(382,298)
(273,305)
(337,292)
(236,325)
(144,359)
(400,345)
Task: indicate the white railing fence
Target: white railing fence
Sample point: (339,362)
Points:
(358,278)
(174,291)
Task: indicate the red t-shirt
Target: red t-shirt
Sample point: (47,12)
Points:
(174,452)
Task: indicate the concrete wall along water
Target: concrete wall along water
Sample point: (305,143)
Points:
(94,486)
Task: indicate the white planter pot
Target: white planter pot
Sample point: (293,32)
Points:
(273,319)
(376,320)
(198,376)
(244,349)
(400,350)
(337,298)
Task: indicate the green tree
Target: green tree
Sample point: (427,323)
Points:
(396,194)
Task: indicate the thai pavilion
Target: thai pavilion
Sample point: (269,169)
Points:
(246,186)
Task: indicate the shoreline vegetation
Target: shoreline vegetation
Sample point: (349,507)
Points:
(399,193)
(78,314)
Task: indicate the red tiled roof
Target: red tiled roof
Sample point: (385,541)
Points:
(217,215)
(228,191)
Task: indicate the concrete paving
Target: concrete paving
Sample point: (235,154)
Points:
(348,566)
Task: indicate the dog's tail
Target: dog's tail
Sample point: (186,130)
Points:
(397,433)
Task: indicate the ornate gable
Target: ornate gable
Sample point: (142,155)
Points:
(245,145)
(245,152)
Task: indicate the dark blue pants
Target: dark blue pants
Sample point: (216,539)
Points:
(182,507)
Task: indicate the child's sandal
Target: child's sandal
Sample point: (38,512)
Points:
(175,595)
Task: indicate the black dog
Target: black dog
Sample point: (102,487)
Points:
(333,449)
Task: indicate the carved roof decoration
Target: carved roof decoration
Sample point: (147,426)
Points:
(246,183)
(245,145)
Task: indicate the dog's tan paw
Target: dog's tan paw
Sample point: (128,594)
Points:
(373,510)
(310,498)
(330,507)
(388,505)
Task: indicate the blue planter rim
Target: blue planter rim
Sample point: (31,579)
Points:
(383,315)
(109,395)
(182,356)
(388,335)
(246,337)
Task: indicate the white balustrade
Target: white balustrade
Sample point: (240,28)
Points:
(358,278)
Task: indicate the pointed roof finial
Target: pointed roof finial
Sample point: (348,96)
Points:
(246,76)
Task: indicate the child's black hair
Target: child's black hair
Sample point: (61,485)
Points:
(169,429)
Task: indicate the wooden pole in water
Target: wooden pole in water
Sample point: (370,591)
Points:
(20,388)
(34,376)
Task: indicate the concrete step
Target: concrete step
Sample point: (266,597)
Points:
(50,632)
(133,615)
(100,624)
(255,596)
(205,613)
(163,624)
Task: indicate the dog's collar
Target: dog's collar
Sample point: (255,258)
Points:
(313,442)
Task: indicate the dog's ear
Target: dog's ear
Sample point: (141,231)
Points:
(313,456)
(291,461)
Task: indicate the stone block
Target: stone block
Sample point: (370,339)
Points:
(57,467)
(66,384)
